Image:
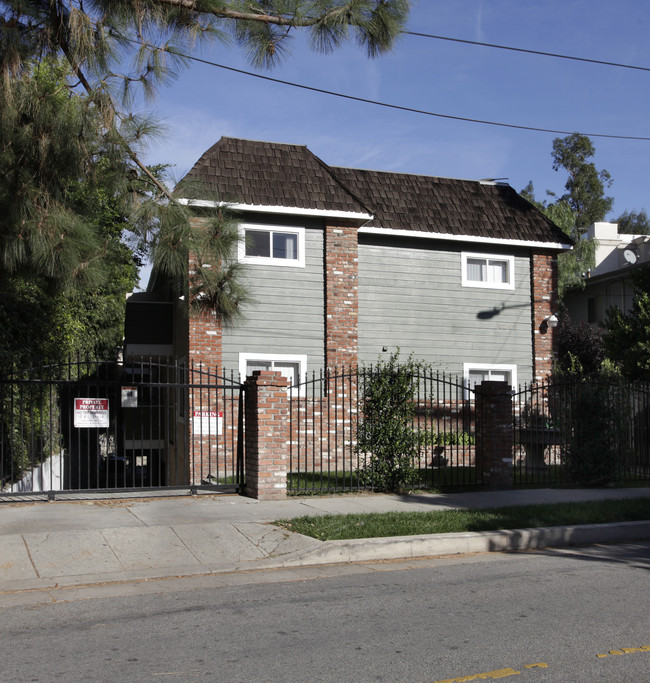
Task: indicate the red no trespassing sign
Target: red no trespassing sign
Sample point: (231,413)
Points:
(91,412)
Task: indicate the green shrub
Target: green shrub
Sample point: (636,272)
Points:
(595,414)
(386,441)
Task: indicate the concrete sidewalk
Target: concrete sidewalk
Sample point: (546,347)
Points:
(53,545)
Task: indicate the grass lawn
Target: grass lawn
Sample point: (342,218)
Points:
(440,479)
(432,479)
(339,527)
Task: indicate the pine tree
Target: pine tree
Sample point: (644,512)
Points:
(64,193)
(67,70)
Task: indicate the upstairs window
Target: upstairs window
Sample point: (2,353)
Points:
(486,270)
(271,245)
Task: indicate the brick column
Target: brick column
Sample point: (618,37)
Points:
(341,296)
(205,338)
(204,355)
(204,349)
(543,269)
(494,431)
(267,435)
(205,333)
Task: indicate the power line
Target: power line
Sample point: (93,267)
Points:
(530,52)
(403,108)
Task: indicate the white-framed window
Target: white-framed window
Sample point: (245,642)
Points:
(272,245)
(488,270)
(293,367)
(475,373)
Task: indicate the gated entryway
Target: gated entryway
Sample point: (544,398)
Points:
(131,425)
(119,425)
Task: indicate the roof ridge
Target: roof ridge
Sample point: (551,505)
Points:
(263,142)
(414,175)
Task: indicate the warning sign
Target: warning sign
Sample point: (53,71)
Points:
(129,397)
(91,412)
(207,422)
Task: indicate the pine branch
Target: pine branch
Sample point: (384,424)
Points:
(65,48)
(263,17)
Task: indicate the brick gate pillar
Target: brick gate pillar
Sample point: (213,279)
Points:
(267,435)
(494,430)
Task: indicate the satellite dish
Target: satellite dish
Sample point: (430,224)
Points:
(630,256)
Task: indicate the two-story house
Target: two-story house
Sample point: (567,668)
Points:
(348,265)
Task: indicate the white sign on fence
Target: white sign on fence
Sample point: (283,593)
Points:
(207,422)
(91,412)
(129,397)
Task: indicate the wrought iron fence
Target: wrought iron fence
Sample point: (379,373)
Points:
(565,432)
(590,431)
(139,424)
(327,415)
(89,425)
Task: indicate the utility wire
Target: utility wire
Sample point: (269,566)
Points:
(403,108)
(530,52)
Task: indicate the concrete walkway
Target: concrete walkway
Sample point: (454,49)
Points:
(62,544)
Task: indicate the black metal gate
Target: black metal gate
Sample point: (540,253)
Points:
(119,425)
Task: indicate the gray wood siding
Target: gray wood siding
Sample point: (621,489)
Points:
(287,316)
(412,298)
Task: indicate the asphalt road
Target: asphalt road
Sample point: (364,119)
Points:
(563,615)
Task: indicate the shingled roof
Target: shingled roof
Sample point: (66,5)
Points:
(279,175)
(270,174)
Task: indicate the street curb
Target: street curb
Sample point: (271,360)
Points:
(408,547)
(364,550)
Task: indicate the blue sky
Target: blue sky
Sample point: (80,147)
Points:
(206,103)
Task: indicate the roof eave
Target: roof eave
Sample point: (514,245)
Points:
(284,210)
(555,246)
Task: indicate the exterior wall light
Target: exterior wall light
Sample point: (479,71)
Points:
(551,320)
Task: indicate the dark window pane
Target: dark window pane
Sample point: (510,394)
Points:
(591,310)
(258,243)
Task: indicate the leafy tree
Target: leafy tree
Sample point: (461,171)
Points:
(627,336)
(593,409)
(590,403)
(585,185)
(45,138)
(581,349)
(634,223)
(627,339)
(571,264)
(583,203)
